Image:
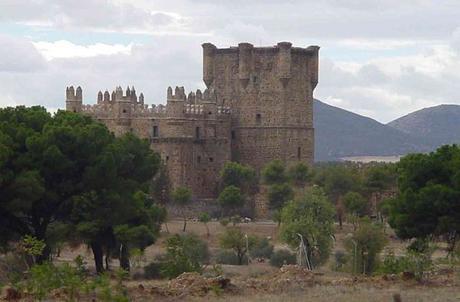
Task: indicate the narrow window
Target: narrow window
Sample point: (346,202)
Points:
(198,159)
(155,131)
(233,134)
(124,110)
(167,158)
(299,153)
(211,159)
(197,132)
(258,118)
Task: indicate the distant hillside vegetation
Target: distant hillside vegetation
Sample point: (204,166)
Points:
(340,133)
(433,126)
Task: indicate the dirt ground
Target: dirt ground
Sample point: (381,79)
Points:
(264,283)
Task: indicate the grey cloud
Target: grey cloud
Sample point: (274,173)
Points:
(150,68)
(95,14)
(281,20)
(18,55)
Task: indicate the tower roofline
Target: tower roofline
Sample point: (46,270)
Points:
(312,49)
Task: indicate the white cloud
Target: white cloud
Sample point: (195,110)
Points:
(66,49)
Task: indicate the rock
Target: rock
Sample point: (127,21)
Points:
(11,294)
(407,275)
(196,284)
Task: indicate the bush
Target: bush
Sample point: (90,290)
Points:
(152,270)
(341,260)
(364,246)
(184,253)
(46,277)
(282,257)
(229,258)
(240,243)
(311,216)
(419,246)
(261,249)
(415,263)
(224,222)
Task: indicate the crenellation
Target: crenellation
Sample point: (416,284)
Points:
(257,106)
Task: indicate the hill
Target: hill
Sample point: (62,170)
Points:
(434,126)
(341,133)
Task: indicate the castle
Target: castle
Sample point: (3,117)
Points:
(258,106)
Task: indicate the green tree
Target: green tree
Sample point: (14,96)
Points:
(205,219)
(182,197)
(116,214)
(428,202)
(233,238)
(238,175)
(45,162)
(380,177)
(279,194)
(311,216)
(231,198)
(300,174)
(274,173)
(337,180)
(355,204)
(365,245)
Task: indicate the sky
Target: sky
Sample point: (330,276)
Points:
(379,58)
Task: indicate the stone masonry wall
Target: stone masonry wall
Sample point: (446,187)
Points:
(258,106)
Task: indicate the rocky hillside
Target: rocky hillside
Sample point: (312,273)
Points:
(340,133)
(432,126)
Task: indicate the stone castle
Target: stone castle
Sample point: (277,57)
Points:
(257,107)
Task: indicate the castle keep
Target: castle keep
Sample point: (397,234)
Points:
(258,106)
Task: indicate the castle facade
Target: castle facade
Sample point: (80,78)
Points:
(257,107)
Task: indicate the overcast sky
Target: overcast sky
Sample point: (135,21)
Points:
(382,59)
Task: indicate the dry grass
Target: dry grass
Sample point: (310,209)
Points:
(360,293)
(328,290)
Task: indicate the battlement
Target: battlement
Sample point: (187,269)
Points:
(178,104)
(198,97)
(119,96)
(283,59)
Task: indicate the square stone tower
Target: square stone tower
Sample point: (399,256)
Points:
(270,93)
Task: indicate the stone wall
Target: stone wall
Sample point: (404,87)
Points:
(258,106)
(270,91)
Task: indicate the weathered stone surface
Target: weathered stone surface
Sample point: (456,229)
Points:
(258,106)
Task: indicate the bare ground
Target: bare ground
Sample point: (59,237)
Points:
(261,282)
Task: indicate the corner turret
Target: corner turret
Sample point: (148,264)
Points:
(74,99)
(208,63)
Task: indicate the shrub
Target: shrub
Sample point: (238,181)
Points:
(311,216)
(282,257)
(341,260)
(416,263)
(224,222)
(419,245)
(184,253)
(261,249)
(364,247)
(229,258)
(235,239)
(46,277)
(152,270)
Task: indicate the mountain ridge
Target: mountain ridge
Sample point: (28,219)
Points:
(341,133)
